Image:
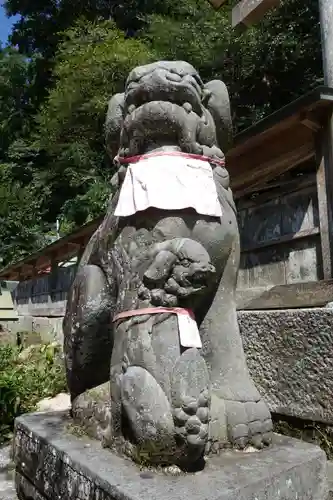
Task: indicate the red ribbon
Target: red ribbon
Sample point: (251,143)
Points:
(153,310)
(135,159)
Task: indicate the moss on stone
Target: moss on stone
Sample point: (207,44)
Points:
(76,430)
(99,394)
(305,430)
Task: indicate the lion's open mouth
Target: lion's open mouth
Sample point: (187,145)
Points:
(162,85)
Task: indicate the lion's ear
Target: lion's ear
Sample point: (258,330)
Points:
(113,124)
(218,103)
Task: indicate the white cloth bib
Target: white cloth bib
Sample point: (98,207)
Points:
(168,183)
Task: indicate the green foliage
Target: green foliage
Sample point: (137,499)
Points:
(41,27)
(25,380)
(20,209)
(264,68)
(20,218)
(16,97)
(71,58)
(92,64)
(42,23)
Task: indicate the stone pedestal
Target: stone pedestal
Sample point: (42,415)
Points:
(52,462)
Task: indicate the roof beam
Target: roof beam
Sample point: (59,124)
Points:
(248,12)
(310,121)
(73,246)
(246,182)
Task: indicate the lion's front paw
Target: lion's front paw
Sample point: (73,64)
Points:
(191,420)
(249,423)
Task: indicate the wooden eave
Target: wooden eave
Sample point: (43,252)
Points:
(278,143)
(58,251)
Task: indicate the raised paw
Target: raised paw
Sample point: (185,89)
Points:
(249,423)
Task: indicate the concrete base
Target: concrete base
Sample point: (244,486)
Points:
(52,463)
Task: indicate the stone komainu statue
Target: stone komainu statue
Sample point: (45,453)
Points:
(152,307)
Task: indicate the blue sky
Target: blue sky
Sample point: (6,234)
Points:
(5,24)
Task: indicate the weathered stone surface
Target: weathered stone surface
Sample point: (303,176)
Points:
(191,397)
(180,257)
(92,410)
(61,402)
(289,354)
(44,450)
(87,332)
(25,489)
(330,479)
(140,394)
(7,487)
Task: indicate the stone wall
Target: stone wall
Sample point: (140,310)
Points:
(46,295)
(41,305)
(290,357)
(41,329)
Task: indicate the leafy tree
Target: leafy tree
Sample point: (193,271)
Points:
(20,216)
(92,64)
(39,30)
(42,24)
(265,67)
(16,97)
(262,67)
(20,219)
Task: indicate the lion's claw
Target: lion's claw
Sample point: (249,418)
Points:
(249,424)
